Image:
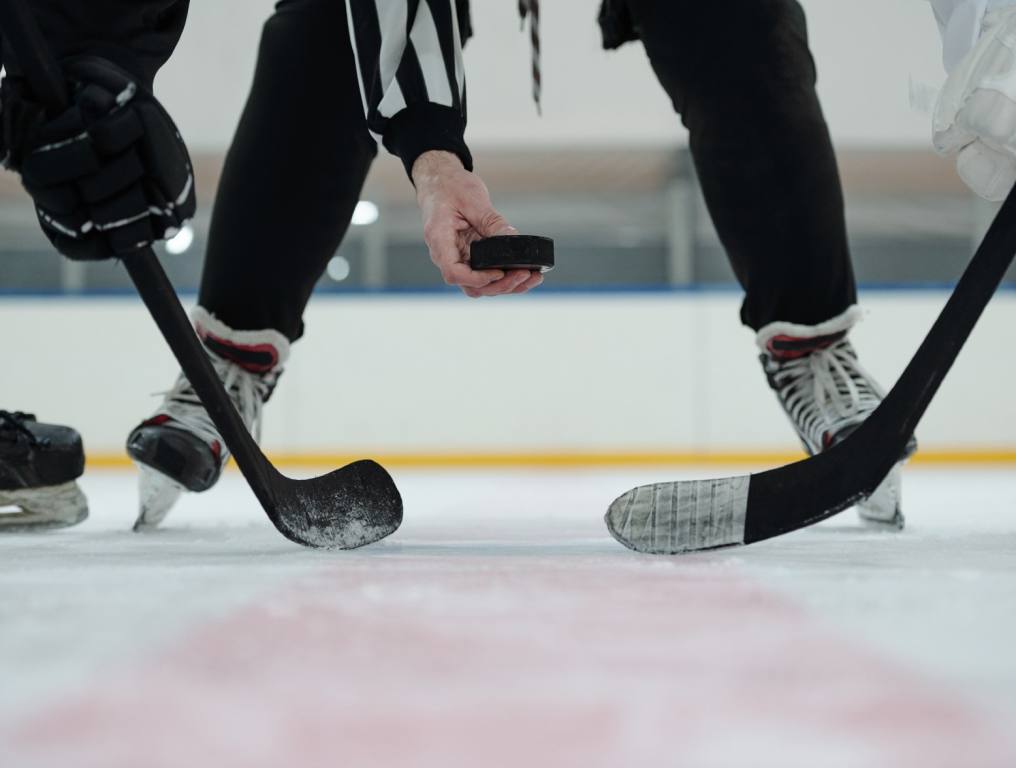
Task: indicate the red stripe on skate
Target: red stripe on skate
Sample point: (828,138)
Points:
(522,661)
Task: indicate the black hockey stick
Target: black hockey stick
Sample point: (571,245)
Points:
(350,507)
(690,515)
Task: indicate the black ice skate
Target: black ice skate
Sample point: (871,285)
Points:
(827,394)
(179,448)
(39,464)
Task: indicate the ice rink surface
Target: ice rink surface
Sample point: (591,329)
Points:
(502,626)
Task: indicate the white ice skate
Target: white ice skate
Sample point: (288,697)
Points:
(827,394)
(39,467)
(179,448)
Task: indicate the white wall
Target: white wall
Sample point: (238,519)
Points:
(866,51)
(439,373)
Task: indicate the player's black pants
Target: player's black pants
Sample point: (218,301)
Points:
(739,73)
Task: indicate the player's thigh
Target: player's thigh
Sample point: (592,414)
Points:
(704,51)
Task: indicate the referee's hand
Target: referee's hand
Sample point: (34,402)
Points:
(456,211)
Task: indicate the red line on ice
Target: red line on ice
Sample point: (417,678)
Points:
(535,661)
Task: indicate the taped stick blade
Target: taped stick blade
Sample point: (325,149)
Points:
(682,516)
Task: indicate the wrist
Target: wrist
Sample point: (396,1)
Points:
(433,165)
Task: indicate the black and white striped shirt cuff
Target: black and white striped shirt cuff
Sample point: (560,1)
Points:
(427,126)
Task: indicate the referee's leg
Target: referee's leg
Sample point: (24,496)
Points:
(293,173)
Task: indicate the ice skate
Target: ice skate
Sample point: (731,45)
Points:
(178,448)
(827,394)
(39,466)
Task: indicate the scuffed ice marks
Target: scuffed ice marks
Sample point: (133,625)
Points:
(683,516)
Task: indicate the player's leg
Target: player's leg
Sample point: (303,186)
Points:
(291,180)
(742,78)
(39,466)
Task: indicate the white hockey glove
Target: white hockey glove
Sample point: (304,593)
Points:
(975,118)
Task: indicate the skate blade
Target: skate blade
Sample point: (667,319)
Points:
(56,506)
(883,509)
(156,495)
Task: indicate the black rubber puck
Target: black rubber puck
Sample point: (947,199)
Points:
(513,252)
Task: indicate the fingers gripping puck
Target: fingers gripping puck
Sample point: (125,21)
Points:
(513,252)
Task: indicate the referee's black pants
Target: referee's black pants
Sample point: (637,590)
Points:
(739,73)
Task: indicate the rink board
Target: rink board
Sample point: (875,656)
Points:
(619,377)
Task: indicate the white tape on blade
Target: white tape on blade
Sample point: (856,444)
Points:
(682,516)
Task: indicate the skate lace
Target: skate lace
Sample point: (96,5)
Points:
(825,391)
(13,422)
(246,390)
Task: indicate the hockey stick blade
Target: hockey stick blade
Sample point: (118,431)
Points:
(691,515)
(350,507)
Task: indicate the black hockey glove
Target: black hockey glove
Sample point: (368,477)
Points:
(110,174)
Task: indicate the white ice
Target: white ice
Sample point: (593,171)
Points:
(501,625)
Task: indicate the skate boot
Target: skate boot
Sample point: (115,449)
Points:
(827,395)
(179,448)
(39,464)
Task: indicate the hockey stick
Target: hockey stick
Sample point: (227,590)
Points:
(350,507)
(690,515)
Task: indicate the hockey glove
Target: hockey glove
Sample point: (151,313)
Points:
(975,118)
(110,174)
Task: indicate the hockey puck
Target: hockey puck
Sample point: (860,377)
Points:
(513,252)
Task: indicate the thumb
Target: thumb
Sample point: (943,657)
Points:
(990,173)
(950,140)
(948,136)
(492,223)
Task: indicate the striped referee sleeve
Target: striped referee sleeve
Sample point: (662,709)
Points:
(409,62)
